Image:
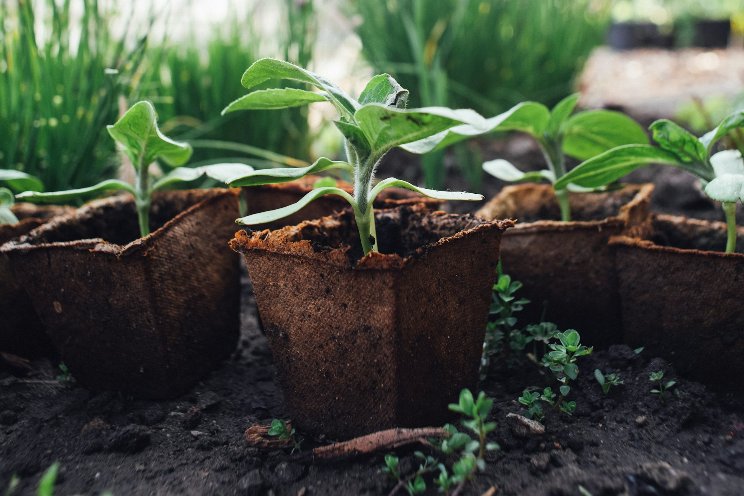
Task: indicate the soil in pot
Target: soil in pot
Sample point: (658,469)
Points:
(567,268)
(613,445)
(149,316)
(364,343)
(21,331)
(681,297)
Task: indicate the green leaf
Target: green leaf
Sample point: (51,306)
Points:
(599,376)
(47,481)
(138,132)
(268,69)
(528,117)
(614,164)
(6,201)
(274,98)
(679,141)
(325,182)
(587,134)
(564,390)
(277,428)
(280,213)
(560,114)
(387,127)
(73,194)
(728,185)
(286,174)
(219,172)
(20,181)
(571,371)
(730,123)
(356,139)
(506,171)
(392,182)
(384,89)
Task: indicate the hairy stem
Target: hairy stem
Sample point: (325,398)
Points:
(364,215)
(563,203)
(729,209)
(142,199)
(556,162)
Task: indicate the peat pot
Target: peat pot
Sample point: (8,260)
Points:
(389,339)
(682,298)
(566,267)
(21,332)
(147,316)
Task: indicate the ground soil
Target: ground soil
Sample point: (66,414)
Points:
(628,442)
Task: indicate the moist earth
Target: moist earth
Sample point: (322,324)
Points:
(628,442)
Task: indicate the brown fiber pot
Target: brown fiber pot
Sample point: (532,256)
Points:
(388,340)
(682,297)
(567,267)
(147,316)
(21,332)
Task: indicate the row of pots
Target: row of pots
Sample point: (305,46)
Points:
(706,33)
(622,274)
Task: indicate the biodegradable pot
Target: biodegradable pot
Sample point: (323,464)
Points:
(147,316)
(566,267)
(389,339)
(682,297)
(21,332)
(712,33)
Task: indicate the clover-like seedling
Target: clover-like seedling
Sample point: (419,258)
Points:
(558,133)
(284,431)
(661,386)
(138,134)
(15,181)
(531,400)
(607,381)
(721,174)
(371,125)
(476,411)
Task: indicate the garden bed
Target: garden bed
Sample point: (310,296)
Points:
(615,444)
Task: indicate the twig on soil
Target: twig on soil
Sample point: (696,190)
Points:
(377,441)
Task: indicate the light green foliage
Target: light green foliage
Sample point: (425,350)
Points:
(138,133)
(284,431)
(414,483)
(59,86)
(6,202)
(722,173)
(371,126)
(607,381)
(46,484)
(662,386)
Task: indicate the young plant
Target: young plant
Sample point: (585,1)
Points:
(558,133)
(661,386)
(414,483)
(143,143)
(16,181)
(721,174)
(607,381)
(284,431)
(371,125)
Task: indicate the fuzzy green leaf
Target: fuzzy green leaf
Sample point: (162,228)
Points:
(6,201)
(587,134)
(730,123)
(528,117)
(387,127)
(286,174)
(20,181)
(679,141)
(613,164)
(726,188)
(385,90)
(392,182)
(74,194)
(280,213)
(560,113)
(219,172)
(275,98)
(727,162)
(506,171)
(355,138)
(273,69)
(137,130)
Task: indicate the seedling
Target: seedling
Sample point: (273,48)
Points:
(661,386)
(64,373)
(371,125)
(16,181)
(48,480)
(143,143)
(414,483)
(721,174)
(607,381)
(284,431)
(559,135)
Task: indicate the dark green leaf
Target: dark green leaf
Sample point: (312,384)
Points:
(730,123)
(275,98)
(20,181)
(679,141)
(280,213)
(219,172)
(587,134)
(560,114)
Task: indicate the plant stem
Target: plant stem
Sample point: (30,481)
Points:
(142,199)
(364,213)
(556,163)
(729,208)
(563,203)
(367,232)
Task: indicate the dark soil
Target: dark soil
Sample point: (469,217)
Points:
(628,442)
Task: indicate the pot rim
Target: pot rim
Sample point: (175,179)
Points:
(643,192)
(261,241)
(632,242)
(100,245)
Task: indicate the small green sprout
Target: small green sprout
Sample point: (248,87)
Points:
(607,381)
(48,480)
(721,174)
(138,133)
(414,483)
(531,400)
(661,386)
(372,125)
(284,431)
(476,413)
(64,373)
(15,181)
